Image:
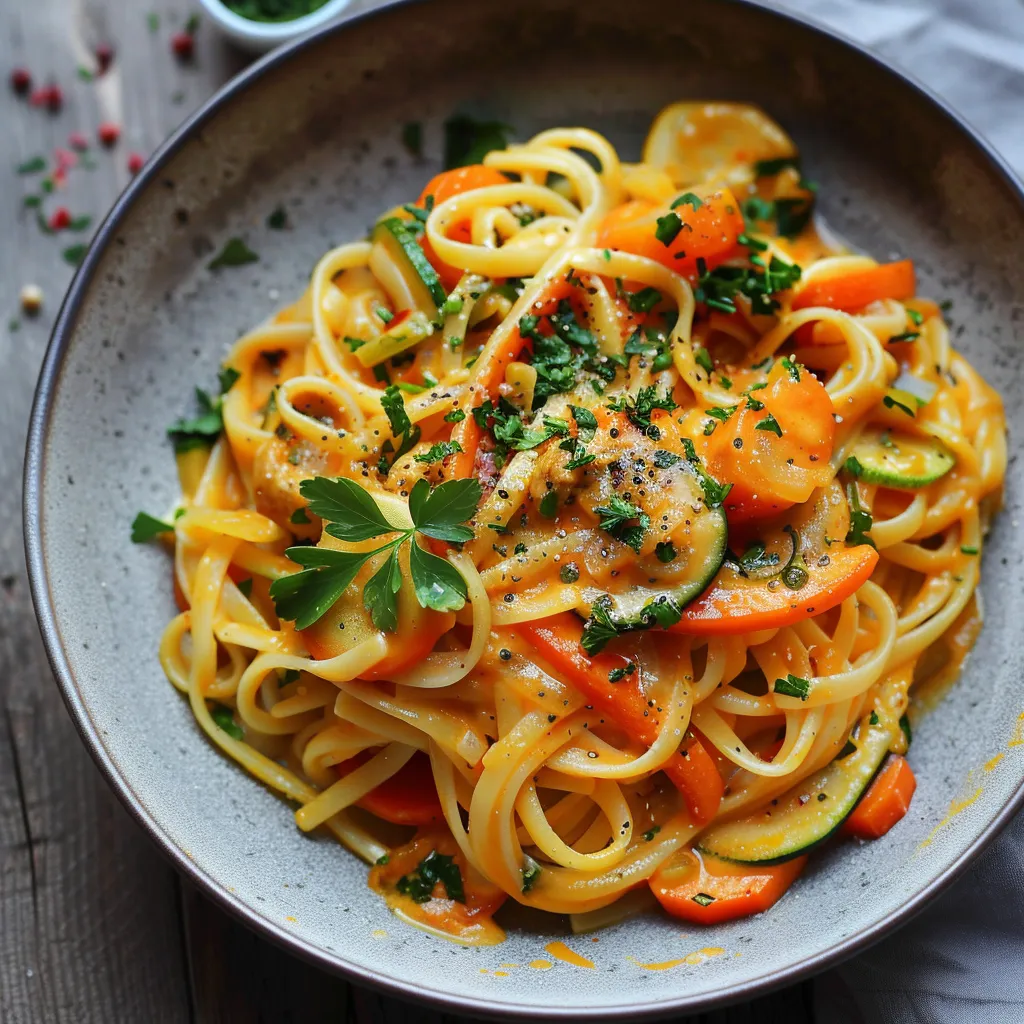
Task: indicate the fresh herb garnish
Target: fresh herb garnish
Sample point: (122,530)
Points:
(860,518)
(146,527)
(616,675)
(599,628)
(894,403)
(770,424)
(719,288)
(666,551)
(668,228)
(224,718)
(905,336)
(687,198)
(33,165)
(434,868)
(531,873)
(714,492)
(793,686)
(401,426)
(234,254)
(624,521)
(277,219)
(468,141)
(438,451)
(703,899)
(455,416)
(644,300)
(352,515)
(299,517)
(570,573)
(651,833)
(640,406)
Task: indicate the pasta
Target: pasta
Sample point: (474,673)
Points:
(585,529)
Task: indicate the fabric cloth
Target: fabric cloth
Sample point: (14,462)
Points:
(962,960)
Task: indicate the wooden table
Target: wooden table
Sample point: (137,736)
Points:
(94,925)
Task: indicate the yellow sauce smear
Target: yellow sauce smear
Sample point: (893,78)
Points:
(990,764)
(560,951)
(541,965)
(1017,739)
(691,958)
(954,809)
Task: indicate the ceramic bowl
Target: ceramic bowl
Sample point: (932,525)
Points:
(317,128)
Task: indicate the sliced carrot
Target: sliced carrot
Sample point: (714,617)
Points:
(709,232)
(557,641)
(775,447)
(886,801)
(734,604)
(444,186)
(467,433)
(462,179)
(858,288)
(706,890)
(409,797)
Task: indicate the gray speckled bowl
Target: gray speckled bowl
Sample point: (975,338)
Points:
(317,127)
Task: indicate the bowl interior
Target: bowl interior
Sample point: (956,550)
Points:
(320,133)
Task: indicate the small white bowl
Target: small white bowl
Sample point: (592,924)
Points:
(260,36)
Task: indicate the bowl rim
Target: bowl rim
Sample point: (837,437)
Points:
(34,469)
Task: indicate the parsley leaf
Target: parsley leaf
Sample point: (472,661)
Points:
(438,512)
(438,584)
(668,228)
(380,595)
(468,141)
(435,867)
(224,719)
(234,254)
(793,686)
(146,527)
(599,628)
(306,596)
(861,520)
(714,492)
(616,517)
(690,198)
(770,424)
(350,511)
(394,408)
(640,406)
(438,451)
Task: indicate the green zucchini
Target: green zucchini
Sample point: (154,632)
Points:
(404,331)
(698,548)
(807,814)
(892,458)
(398,262)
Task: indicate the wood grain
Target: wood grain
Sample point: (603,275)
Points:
(94,926)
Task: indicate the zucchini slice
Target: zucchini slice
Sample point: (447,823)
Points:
(654,591)
(895,459)
(398,262)
(404,331)
(807,814)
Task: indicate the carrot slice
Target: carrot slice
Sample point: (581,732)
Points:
(708,232)
(706,890)
(733,604)
(444,186)
(856,289)
(409,797)
(462,179)
(692,769)
(886,801)
(467,433)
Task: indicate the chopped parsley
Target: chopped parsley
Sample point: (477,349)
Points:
(624,521)
(770,424)
(234,254)
(793,686)
(688,199)
(436,868)
(860,518)
(531,873)
(468,141)
(719,288)
(702,899)
(666,551)
(599,628)
(224,719)
(438,451)
(640,406)
(299,517)
(455,416)
(616,675)
(668,228)
(401,426)
(146,527)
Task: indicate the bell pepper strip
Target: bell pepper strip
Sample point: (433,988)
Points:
(706,890)
(886,801)
(733,604)
(692,770)
(707,233)
(444,186)
(408,797)
(858,288)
